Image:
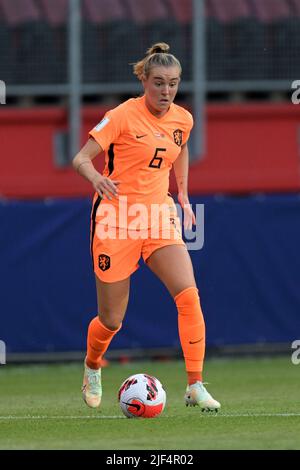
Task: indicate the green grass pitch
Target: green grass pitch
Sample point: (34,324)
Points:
(41,408)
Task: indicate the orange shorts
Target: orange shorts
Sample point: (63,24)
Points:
(116,251)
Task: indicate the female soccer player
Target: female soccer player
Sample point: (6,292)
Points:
(142,139)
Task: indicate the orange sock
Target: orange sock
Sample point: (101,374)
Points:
(194,377)
(98,340)
(191,332)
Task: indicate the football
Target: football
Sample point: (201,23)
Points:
(142,396)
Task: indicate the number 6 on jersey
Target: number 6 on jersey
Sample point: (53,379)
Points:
(157,161)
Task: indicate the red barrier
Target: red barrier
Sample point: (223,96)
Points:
(27,157)
(249,148)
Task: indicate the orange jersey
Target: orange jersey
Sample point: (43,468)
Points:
(141,148)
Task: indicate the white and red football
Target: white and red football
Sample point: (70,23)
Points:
(142,396)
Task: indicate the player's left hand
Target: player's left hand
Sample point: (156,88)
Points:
(189,218)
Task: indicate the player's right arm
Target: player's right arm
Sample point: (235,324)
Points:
(82,163)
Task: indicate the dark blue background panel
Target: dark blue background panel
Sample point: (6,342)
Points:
(248,274)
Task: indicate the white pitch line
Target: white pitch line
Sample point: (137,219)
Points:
(256,415)
(214,415)
(7,418)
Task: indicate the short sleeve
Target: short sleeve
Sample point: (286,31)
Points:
(188,127)
(109,129)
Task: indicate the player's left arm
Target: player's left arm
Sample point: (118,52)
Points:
(181,170)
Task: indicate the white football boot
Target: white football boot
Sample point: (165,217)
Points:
(91,387)
(197,395)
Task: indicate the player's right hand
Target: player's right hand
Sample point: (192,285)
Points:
(105,187)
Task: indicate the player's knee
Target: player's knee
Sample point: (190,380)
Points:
(188,302)
(187,297)
(110,320)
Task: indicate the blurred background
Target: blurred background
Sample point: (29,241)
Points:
(64,64)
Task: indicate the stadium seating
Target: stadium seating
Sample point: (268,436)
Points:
(155,24)
(280,29)
(34,43)
(93,65)
(295,39)
(181,47)
(216,46)
(295,6)
(8,59)
(54,14)
(117,41)
(243,47)
(245,39)
(182,11)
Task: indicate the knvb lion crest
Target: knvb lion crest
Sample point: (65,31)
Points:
(104,262)
(178,137)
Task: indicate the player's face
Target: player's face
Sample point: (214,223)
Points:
(160,88)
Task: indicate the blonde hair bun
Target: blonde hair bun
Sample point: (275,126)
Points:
(157,56)
(158,48)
